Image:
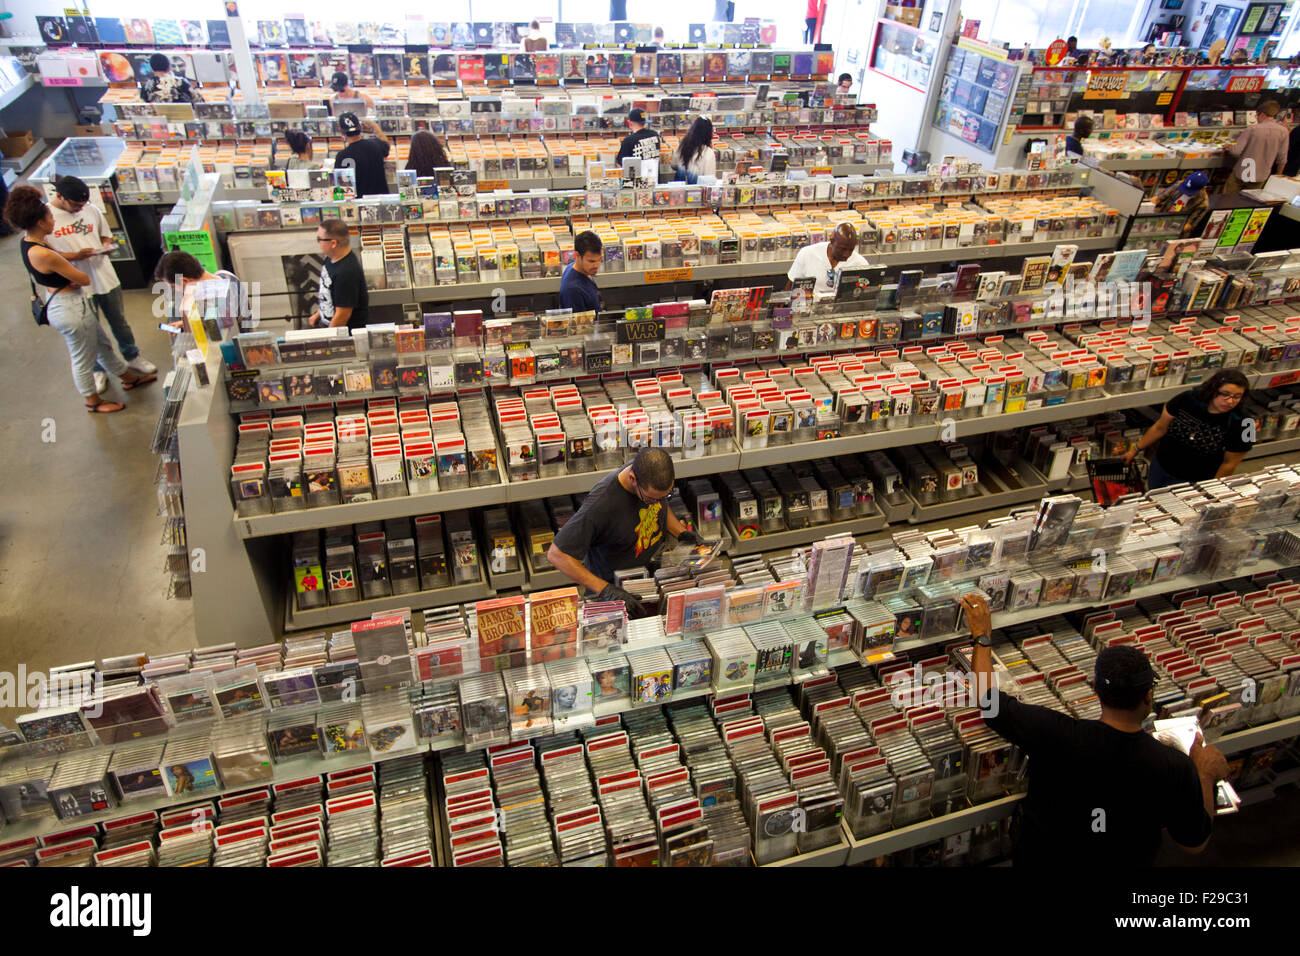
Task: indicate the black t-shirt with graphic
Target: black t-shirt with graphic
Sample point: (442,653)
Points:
(613,530)
(1098,796)
(343,285)
(642,144)
(368,156)
(1193,448)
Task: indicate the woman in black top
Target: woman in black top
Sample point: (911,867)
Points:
(67,309)
(1202,434)
(427,154)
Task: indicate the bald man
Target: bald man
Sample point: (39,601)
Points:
(823,260)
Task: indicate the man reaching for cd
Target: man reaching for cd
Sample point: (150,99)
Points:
(1100,791)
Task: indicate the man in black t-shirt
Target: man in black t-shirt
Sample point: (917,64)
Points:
(343,299)
(366,156)
(642,142)
(1100,791)
(620,525)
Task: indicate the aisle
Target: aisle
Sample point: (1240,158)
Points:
(80,561)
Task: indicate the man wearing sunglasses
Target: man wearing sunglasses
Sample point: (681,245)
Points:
(824,260)
(620,525)
(343,297)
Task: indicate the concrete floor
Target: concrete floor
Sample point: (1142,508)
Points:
(80,538)
(80,553)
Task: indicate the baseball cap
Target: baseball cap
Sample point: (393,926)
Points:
(1194,182)
(339,81)
(1124,668)
(349,125)
(72,189)
(636,115)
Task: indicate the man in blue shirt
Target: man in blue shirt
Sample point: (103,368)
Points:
(577,289)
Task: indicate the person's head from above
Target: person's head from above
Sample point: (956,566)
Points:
(180,267)
(332,238)
(1224,391)
(71,194)
(160,63)
(298,141)
(26,210)
(535,26)
(659,34)
(1194,182)
(1239,57)
(697,137)
(651,475)
(588,253)
(1072,43)
(339,81)
(426,152)
(350,126)
(1268,109)
(843,241)
(845,82)
(636,118)
(1125,682)
(1083,127)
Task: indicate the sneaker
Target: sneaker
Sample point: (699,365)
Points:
(142,365)
(101,383)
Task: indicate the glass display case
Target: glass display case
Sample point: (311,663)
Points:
(977,85)
(94,160)
(904,54)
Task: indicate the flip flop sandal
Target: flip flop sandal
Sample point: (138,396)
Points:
(104,408)
(142,380)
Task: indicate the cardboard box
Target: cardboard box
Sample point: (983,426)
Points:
(17,143)
(909,15)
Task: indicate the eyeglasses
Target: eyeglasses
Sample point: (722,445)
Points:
(324,239)
(1230,396)
(648,500)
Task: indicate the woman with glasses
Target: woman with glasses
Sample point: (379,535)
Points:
(1202,433)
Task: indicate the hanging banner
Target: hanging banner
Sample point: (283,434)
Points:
(1107,86)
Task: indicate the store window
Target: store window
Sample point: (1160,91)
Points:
(1018,22)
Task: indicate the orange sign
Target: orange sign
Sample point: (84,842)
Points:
(491,185)
(668,275)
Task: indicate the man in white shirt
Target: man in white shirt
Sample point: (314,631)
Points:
(823,260)
(81,233)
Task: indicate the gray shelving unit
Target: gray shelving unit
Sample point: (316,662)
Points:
(295,619)
(781,540)
(992,494)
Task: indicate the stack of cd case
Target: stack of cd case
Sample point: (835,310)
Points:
(187,765)
(80,784)
(775,651)
(734,660)
(136,770)
(241,752)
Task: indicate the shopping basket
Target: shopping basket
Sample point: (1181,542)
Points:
(1112,479)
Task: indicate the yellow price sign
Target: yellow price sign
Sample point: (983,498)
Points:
(1164,99)
(668,275)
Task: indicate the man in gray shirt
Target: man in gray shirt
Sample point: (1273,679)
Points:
(1260,150)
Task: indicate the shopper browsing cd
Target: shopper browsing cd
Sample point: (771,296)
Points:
(345,94)
(65,307)
(1202,432)
(365,155)
(642,142)
(578,290)
(620,525)
(1100,791)
(823,260)
(81,234)
(343,299)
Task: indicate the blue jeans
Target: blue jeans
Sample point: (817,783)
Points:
(71,313)
(111,308)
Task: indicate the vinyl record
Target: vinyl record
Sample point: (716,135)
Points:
(116,67)
(53,29)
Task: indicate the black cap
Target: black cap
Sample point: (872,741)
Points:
(160,61)
(72,189)
(636,115)
(349,125)
(339,81)
(1123,668)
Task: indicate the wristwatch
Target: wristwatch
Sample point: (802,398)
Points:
(984,640)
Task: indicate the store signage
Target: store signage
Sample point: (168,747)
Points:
(1106,86)
(668,275)
(1164,99)
(1245,84)
(197,243)
(1055,52)
(62,81)
(491,185)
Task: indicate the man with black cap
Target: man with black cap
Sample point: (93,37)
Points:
(642,142)
(1100,791)
(82,235)
(163,86)
(347,93)
(365,155)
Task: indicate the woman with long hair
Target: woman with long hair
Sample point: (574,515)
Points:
(300,150)
(66,307)
(695,155)
(1202,432)
(427,154)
